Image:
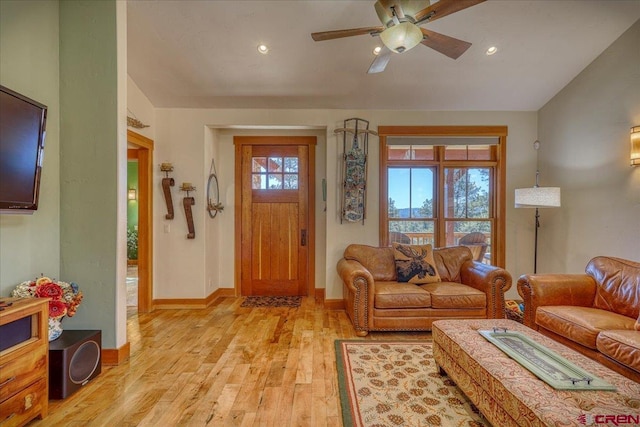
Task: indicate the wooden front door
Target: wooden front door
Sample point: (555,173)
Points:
(274,223)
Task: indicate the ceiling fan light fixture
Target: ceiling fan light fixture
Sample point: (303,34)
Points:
(409,8)
(401,37)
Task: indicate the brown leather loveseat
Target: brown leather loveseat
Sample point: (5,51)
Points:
(596,313)
(376,301)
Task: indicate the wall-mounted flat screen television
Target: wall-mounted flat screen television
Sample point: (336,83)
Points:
(22,132)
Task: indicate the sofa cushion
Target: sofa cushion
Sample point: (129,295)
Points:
(450,261)
(622,346)
(618,285)
(455,295)
(379,261)
(414,263)
(580,324)
(400,295)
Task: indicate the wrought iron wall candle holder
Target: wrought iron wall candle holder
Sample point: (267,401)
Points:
(213,193)
(166,183)
(187,202)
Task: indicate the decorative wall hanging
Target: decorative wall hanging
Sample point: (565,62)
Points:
(166,183)
(187,202)
(355,147)
(134,122)
(213,192)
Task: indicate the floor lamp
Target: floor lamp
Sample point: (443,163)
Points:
(537,197)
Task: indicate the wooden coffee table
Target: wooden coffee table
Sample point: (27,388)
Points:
(507,394)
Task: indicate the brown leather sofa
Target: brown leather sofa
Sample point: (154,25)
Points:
(375,301)
(596,313)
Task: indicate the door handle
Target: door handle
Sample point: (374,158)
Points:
(303,238)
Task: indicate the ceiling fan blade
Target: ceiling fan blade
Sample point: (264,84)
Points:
(380,62)
(444,8)
(446,45)
(338,34)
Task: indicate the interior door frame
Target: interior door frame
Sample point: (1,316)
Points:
(144,153)
(310,142)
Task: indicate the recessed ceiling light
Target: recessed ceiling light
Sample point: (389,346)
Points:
(263,49)
(492,50)
(376,50)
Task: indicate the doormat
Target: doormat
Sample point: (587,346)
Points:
(397,383)
(271,302)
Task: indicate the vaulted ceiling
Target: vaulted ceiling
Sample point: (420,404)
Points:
(203,54)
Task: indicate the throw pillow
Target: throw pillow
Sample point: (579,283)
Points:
(415,264)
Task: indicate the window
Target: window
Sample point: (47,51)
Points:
(443,185)
(274,173)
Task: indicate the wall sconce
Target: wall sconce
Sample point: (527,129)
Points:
(131,194)
(187,202)
(166,183)
(635,146)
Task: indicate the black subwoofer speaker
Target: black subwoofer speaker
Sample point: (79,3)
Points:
(74,360)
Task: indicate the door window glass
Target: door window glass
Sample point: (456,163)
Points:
(274,173)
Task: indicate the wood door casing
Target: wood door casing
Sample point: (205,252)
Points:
(270,223)
(144,154)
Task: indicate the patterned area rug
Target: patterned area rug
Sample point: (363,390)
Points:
(397,383)
(271,302)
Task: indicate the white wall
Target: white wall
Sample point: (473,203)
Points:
(584,134)
(184,137)
(584,130)
(30,244)
(139,107)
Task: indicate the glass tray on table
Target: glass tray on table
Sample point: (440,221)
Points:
(546,364)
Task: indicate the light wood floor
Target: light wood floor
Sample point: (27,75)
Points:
(222,366)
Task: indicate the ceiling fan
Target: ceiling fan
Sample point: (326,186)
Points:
(400,29)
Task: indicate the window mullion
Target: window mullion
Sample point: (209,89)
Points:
(440,193)
(466,192)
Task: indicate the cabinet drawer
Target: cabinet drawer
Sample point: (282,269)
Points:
(18,373)
(25,405)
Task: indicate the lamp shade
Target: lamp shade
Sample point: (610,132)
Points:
(401,37)
(538,197)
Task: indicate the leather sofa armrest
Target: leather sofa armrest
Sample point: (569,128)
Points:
(493,281)
(554,289)
(358,293)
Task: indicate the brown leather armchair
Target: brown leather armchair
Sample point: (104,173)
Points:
(596,313)
(376,301)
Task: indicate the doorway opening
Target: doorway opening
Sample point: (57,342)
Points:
(140,251)
(132,230)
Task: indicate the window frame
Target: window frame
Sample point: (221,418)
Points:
(497,190)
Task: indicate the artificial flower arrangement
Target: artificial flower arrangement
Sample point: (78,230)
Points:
(65,297)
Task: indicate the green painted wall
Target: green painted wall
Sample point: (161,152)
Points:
(89,160)
(132,211)
(30,244)
(132,205)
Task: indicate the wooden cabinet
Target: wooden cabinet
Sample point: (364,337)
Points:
(24,360)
